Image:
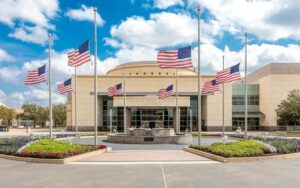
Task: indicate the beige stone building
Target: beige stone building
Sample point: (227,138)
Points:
(267,87)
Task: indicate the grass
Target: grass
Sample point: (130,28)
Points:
(245,148)
(206,134)
(47,148)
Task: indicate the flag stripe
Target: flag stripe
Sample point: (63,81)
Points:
(114,90)
(79,56)
(65,87)
(180,58)
(34,77)
(227,75)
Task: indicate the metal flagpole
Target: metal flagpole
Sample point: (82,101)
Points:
(76,126)
(110,120)
(124,99)
(177,113)
(223,112)
(95,77)
(246,90)
(49,84)
(199,82)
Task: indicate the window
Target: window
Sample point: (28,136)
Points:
(117,114)
(240,100)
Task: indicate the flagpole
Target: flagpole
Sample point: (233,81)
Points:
(246,89)
(177,113)
(95,77)
(223,112)
(76,126)
(124,99)
(49,84)
(199,82)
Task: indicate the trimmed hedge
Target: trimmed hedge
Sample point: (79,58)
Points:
(245,148)
(47,148)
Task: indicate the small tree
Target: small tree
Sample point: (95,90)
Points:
(288,111)
(59,114)
(7,114)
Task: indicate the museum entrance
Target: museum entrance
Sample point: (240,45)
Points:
(151,118)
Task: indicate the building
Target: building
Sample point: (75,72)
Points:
(267,87)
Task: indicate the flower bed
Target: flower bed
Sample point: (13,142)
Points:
(256,146)
(47,148)
(10,146)
(282,145)
(245,148)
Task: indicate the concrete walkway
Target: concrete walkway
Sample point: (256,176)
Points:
(146,157)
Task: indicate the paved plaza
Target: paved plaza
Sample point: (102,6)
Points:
(150,166)
(275,174)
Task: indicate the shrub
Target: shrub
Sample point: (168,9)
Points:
(245,148)
(10,146)
(283,145)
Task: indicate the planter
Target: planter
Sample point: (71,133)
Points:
(241,159)
(56,161)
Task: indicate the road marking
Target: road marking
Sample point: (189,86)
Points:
(163,173)
(141,162)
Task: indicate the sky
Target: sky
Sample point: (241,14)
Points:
(134,30)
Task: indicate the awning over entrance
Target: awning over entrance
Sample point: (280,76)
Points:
(150,101)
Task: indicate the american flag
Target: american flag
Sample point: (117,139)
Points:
(115,90)
(36,76)
(229,75)
(65,87)
(210,87)
(180,58)
(80,56)
(164,93)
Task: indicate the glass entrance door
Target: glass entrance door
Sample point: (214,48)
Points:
(151,118)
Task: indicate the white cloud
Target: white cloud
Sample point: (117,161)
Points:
(258,56)
(162,4)
(270,20)
(4,56)
(36,34)
(164,30)
(31,95)
(85,13)
(33,15)
(2,94)
(10,75)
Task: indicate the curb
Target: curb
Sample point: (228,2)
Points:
(241,159)
(56,161)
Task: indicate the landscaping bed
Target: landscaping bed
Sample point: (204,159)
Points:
(254,147)
(10,146)
(41,147)
(52,149)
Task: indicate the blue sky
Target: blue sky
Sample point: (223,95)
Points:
(133,30)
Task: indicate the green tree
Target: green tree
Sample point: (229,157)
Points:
(7,114)
(59,114)
(288,111)
(36,113)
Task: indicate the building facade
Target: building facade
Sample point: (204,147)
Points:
(267,87)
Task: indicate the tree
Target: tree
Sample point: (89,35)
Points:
(36,113)
(59,114)
(7,114)
(288,111)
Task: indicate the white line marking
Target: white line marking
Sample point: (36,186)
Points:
(142,162)
(163,173)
